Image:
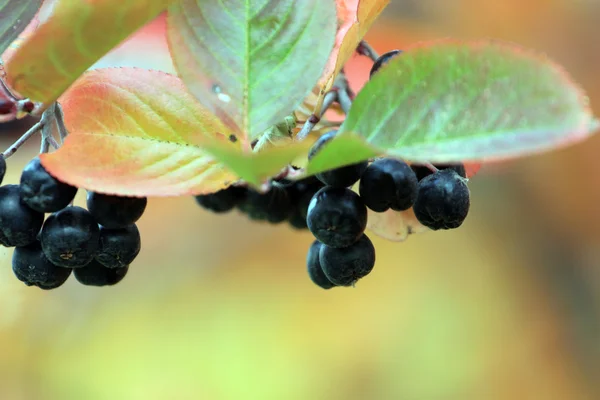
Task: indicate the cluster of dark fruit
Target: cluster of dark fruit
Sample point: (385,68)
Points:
(337,216)
(96,244)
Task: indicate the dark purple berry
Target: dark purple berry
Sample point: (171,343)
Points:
(315,272)
(96,274)
(337,217)
(118,247)
(443,200)
(222,201)
(41,191)
(388,183)
(115,212)
(345,266)
(19,224)
(31,267)
(383,60)
(422,171)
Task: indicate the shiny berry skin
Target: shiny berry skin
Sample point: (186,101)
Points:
(337,217)
(388,183)
(422,171)
(31,267)
(222,201)
(115,211)
(313,265)
(118,247)
(341,177)
(96,274)
(443,200)
(382,60)
(19,224)
(345,266)
(70,237)
(41,191)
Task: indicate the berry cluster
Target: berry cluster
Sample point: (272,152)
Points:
(337,216)
(96,244)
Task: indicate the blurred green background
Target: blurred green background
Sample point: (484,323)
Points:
(217,307)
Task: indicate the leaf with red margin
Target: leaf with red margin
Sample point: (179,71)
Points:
(141,133)
(72,39)
(355,19)
(137,132)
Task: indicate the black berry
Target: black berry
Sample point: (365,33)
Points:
(301,192)
(337,217)
(19,224)
(96,274)
(41,191)
(382,60)
(422,171)
(31,267)
(315,272)
(388,183)
(442,201)
(345,266)
(115,211)
(274,206)
(118,247)
(341,177)
(2,168)
(222,201)
(70,237)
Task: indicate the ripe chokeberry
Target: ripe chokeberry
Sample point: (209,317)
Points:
(313,265)
(41,191)
(273,206)
(388,183)
(19,224)
(118,247)
(115,212)
(2,167)
(70,237)
(31,267)
(96,274)
(301,192)
(422,171)
(345,266)
(337,216)
(442,201)
(341,177)
(382,60)
(222,201)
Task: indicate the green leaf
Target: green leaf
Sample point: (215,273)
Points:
(449,101)
(251,62)
(15,15)
(71,40)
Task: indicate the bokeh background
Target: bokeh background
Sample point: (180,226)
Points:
(218,308)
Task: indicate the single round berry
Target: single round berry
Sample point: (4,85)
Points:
(313,265)
(19,224)
(337,217)
(115,211)
(41,191)
(422,171)
(343,267)
(388,183)
(2,168)
(96,274)
(274,206)
(382,60)
(442,201)
(31,267)
(301,192)
(118,247)
(341,177)
(70,237)
(222,201)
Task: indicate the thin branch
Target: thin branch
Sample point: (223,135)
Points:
(365,49)
(20,141)
(52,142)
(60,122)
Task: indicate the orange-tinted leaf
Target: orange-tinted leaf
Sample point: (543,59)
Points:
(355,19)
(137,132)
(73,38)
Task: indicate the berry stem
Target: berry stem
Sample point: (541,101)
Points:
(365,49)
(60,122)
(339,93)
(26,136)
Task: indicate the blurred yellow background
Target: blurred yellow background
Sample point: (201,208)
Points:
(219,308)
